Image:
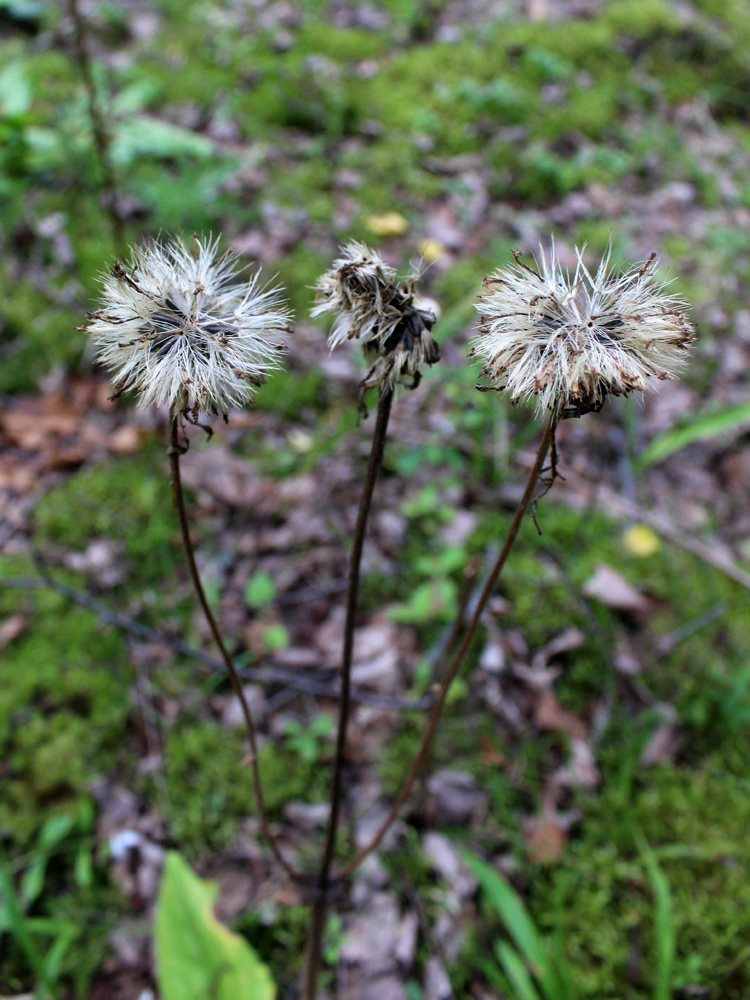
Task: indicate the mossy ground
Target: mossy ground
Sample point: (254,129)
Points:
(549,108)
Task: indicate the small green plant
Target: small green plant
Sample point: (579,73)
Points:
(306,741)
(531,969)
(45,941)
(536,970)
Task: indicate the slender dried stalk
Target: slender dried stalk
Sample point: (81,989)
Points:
(98,125)
(320,906)
(457,660)
(174,452)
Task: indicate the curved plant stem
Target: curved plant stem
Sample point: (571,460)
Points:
(102,142)
(455,663)
(174,452)
(320,906)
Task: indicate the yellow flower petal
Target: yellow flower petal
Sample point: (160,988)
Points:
(387,224)
(640,540)
(431,250)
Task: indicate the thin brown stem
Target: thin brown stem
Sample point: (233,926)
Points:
(320,906)
(98,126)
(174,452)
(455,663)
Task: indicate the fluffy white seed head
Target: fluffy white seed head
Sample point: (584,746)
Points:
(180,329)
(382,313)
(569,342)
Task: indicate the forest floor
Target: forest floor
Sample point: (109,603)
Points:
(607,703)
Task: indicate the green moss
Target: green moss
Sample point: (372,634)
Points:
(34,333)
(342,45)
(63,707)
(696,823)
(124,499)
(209,791)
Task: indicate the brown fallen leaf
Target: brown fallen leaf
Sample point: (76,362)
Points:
(228,478)
(125,440)
(544,839)
(665,742)
(570,638)
(18,476)
(612,589)
(490,753)
(10,629)
(34,421)
(581,770)
(552,716)
(626,660)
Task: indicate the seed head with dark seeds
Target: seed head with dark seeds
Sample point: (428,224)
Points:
(571,342)
(384,314)
(178,328)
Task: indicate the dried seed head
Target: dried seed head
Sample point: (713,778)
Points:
(176,327)
(570,342)
(384,314)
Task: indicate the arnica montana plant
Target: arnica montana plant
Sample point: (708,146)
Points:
(374,308)
(383,313)
(569,342)
(181,329)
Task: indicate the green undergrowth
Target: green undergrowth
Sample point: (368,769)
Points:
(63,721)
(696,821)
(596,901)
(126,500)
(63,706)
(596,905)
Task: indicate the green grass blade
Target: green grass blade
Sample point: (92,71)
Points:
(516,972)
(18,927)
(697,428)
(665,933)
(509,906)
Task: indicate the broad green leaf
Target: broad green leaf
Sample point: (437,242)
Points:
(32,881)
(23,10)
(130,100)
(196,956)
(697,428)
(509,906)
(275,637)
(15,90)
(143,136)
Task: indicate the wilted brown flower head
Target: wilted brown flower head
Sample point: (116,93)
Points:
(384,314)
(571,342)
(180,329)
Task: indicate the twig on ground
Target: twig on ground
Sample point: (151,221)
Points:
(321,687)
(666,643)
